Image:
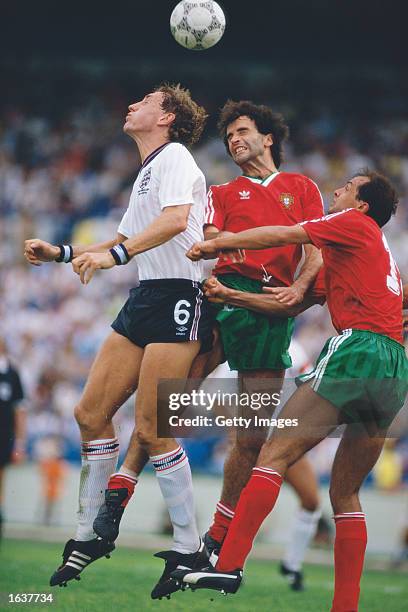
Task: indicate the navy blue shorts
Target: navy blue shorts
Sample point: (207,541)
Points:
(169,310)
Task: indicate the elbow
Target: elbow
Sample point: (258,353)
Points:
(181,225)
(177,222)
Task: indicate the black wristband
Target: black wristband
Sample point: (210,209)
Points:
(66,253)
(120,254)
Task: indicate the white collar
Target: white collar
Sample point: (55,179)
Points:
(264,182)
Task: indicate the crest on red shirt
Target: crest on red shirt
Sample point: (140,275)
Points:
(287,199)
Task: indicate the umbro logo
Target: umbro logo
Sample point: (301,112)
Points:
(244,195)
(181,329)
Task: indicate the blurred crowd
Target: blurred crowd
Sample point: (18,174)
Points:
(68,179)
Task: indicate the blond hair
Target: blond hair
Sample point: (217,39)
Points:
(190,119)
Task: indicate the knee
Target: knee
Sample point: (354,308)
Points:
(277,454)
(145,436)
(311,502)
(90,421)
(342,498)
(82,416)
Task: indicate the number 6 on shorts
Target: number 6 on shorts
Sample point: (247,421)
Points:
(181,315)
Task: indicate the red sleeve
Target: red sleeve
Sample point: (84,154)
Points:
(312,201)
(214,212)
(340,229)
(318,290)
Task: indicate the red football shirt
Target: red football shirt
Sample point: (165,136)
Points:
(318,289)
(283,198)
(363,284)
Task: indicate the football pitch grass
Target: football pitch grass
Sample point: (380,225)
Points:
(124,583)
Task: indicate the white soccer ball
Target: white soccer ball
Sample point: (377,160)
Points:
(197,24)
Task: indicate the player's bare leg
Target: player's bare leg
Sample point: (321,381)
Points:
(356,456)
(302,478)
(205,363)
(242,455)
(110,383)
(241,458)
(317,418)
(165,361)
(172,361)
(122,483)
(112,379)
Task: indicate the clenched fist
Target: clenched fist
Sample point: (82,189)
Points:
(37,251)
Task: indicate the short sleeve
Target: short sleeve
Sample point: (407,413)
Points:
(312,201)
(124,225)
(178,175)
(214,213)
(340,229)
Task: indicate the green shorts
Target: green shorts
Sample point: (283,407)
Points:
(253,341)
(362,373)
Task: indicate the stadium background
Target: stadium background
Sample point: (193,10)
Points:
(335,70)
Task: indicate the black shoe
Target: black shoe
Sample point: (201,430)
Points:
(106,524)
(208,577)
(295,579)
(77,556)
(173,560)
(212,547)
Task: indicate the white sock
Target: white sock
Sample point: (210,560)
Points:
(302,533)
(174,478)
(124,471)
(99,460)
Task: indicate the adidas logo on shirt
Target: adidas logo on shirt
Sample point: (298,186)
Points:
(244,195)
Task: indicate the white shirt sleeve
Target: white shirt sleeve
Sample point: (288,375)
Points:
(178,174)
(124,225)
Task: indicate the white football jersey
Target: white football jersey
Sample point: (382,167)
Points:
(168,177)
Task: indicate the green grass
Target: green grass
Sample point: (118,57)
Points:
(124,583)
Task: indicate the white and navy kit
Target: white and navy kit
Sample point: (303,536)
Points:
(168,306)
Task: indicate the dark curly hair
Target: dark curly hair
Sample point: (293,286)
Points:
(379,194)
(190,119)
(266,121)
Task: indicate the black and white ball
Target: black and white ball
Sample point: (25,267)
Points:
(197,24)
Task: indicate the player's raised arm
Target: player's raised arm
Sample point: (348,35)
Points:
(264,238)
(172,221)
(211,232)
(405,296)
(257,238)
(38,251)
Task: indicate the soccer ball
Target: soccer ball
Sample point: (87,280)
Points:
(197,25)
